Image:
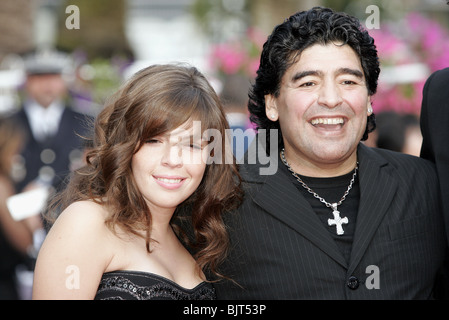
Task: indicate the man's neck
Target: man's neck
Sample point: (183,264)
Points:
(321,169)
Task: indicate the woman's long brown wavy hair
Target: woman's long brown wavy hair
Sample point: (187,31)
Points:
(155,101)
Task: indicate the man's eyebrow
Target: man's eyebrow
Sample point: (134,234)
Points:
(299,75)
(354,72)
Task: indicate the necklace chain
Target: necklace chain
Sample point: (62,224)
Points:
(305,186)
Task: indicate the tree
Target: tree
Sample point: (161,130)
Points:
(16,25)
(101,31)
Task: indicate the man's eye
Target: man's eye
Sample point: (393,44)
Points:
(152,141)
(307,84)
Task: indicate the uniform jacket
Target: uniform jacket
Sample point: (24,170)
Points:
(67,146)
(281,250)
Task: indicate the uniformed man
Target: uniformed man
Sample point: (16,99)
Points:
(53,128)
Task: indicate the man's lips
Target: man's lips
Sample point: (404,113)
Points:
(327,121)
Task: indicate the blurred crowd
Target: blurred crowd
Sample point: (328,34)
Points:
(41,141)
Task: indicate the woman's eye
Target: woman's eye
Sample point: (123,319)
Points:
(192,145)
(153,141)
(196,146)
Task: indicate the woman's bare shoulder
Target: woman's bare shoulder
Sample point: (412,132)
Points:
(84,219)
(84,211)
(78,238)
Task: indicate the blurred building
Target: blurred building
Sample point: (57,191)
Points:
(155,31)
(16,25)
(165,31)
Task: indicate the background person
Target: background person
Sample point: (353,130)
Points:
(16,237)
(434,122)
(234,96)
(53,129)
(396,131)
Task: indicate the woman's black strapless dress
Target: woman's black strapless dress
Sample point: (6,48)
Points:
(139,285)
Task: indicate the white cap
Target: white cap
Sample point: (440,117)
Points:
(47,62)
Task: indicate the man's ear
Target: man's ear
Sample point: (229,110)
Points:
(271,109)
(369,108)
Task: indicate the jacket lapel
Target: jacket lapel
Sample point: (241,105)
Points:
(377,189)
(281,199)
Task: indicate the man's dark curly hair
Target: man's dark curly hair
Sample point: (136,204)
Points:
(297,33)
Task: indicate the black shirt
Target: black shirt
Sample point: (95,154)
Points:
(332,189)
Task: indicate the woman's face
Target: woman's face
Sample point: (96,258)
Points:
(169,168)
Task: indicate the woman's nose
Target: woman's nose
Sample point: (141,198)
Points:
(172,156)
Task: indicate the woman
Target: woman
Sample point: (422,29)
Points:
(148,174)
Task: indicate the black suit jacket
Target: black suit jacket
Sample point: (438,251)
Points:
(281,250)
(66,145)
(435,130)
(435,146)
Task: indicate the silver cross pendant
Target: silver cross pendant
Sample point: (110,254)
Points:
(337,220)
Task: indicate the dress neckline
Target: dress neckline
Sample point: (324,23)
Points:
(155,275)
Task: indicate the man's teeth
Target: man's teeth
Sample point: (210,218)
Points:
(327,121)
(169,180)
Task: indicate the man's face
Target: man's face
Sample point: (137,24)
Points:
(322,108)
(45,88)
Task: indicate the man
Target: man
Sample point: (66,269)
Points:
(434,123)
(338,220)
(53,129)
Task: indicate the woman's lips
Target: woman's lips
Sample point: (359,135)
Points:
(169,182)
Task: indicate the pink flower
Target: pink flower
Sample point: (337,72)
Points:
(416,39)
(253,66)
(238,56)
(227,58)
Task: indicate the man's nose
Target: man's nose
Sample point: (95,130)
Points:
(329,95)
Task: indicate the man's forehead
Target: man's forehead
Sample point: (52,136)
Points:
(320,59)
